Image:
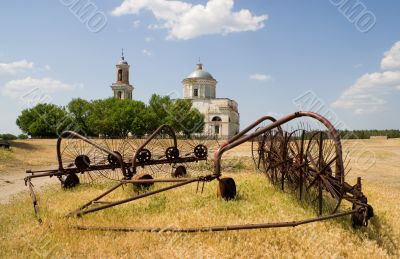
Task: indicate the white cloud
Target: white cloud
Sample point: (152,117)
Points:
(148,39)
(15,67)
(187,21)
(391,59)
(260,77)
(18,88)
(368,93)
(146,52)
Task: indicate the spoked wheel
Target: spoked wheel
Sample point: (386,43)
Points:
(161,147)
(323,188)
(76,153)
(274,152)
(296,155)
(199,146)
(124,150)
(259,152)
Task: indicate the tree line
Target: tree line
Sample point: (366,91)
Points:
(366,134)
(9,136)
(352,134)
(111,117)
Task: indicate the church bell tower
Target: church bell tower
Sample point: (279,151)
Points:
(121,88)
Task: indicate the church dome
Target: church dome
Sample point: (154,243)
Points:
(200,73)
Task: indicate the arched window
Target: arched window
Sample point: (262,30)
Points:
(119,95)
(217,126)
(120,75)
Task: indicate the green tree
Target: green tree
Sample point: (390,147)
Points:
(160,107)
(116,118)
(8,136)
(179,114)
(79,111)
(22,136)
(184,118)
(43,120)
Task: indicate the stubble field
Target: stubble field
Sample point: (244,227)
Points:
(376,161)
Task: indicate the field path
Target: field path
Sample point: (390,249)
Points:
(12,183)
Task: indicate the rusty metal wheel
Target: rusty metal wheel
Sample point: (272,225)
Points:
(296,156)
(144,156)
(226,188)
(321,163)
(274,149)
(259,152)
(200,151)
(76,153)
(180,171)
(172,153)
(142,186)
(114,160)
(71,181)
(82,162)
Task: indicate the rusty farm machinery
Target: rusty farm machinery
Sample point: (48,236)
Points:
(308,163)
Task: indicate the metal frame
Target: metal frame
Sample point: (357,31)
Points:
(361,209)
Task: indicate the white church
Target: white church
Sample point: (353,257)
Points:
(221,116)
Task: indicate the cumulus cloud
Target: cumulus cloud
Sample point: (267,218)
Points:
(186,21)
(391,59)
(15,67)
(260,77)
(20,87)
(368,93)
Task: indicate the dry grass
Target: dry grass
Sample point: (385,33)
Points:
(257,202)
(25,154)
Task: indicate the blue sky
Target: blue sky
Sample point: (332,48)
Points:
(265,54)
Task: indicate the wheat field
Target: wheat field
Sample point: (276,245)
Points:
(257,202)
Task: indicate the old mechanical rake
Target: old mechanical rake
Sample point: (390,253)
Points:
(309,163)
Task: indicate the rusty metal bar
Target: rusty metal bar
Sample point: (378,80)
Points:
(94,200)
(218,228)
(162,180)
(34,200)
(65,171)
(248,128)
(331,129)
(112,204)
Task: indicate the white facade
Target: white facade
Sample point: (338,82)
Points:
(221,116)
(121,88)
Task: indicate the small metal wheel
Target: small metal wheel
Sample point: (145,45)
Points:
(144,156)
(200,151)
(142,186)
(180,171)
(226,188)
(82,162)
(113,160)
(172,153)
(71,181)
